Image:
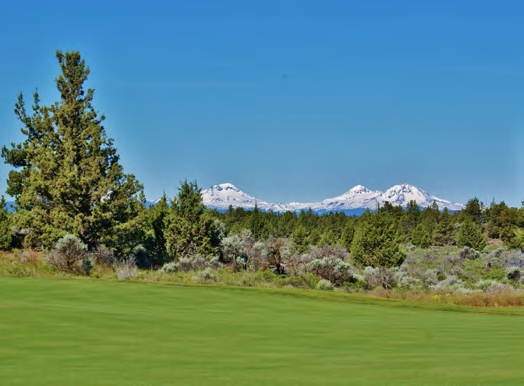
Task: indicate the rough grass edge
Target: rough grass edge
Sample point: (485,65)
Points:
(359,299)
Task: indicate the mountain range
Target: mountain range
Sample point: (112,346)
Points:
(354,201)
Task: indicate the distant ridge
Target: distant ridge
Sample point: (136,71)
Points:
(354,201)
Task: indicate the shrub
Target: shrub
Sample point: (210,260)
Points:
(515,259)
(330,251)
(68,255)
(185,264)
(430,277)
(451,282)
(126,269)
(449,262)
(332,269)
(469,253)
(235,250)
(102,256)
(206,274)
(497,253)
(380,277)
(169,267)
(513,274)
(405,281)
(274,252)
(324,285)
(192,262)
(492,286)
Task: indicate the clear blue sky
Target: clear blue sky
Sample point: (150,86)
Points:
(289,100)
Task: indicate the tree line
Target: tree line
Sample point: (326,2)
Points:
(67,179)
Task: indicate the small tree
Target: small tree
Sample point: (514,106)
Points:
(375,243)
(443,233)
(5,226)
(189,229)
(348,232)
(300,239)
(470,235)
(420,237)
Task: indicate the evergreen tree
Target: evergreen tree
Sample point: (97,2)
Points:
(346,237)
(519,239)
(375,243)
(328,238)
(189,229)
(421,237)
(256,222)
(473,210)
(412,215)
(443,233)
(5,226)
(470,235)
(67,176)
(300,239)
(155,242)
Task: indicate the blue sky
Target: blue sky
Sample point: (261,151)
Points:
(289,100)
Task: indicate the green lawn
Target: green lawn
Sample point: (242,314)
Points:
(72,332)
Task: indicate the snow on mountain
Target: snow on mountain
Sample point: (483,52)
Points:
(356,199)
(223,195)
(402,194)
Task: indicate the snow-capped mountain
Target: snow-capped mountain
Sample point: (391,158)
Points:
(223,195)
(354,201)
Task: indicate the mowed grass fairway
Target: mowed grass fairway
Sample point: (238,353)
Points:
(73,332)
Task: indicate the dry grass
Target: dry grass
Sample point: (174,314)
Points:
(25,263)
(477,299)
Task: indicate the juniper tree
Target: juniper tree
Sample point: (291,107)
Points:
(5,226)
(67,177)
(300,239)
(346,237)
(375,242)
(443,233)
(470,235)
(421,237)
(188,228)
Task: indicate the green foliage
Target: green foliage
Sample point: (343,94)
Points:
(473,210)
(70,255)
(421,237)
(5,226)
(346,237)
(154,239)
(325,285)
(188,228)
(375,243)
(67,177)
(519,238)
(300,239)
(443,232)
(470,235)
(336,271)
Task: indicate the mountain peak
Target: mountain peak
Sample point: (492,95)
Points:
(404,188)
(359,189)
(225,186)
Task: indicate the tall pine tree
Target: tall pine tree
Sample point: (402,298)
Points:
(67,177)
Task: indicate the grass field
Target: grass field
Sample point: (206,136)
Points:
(74,332)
